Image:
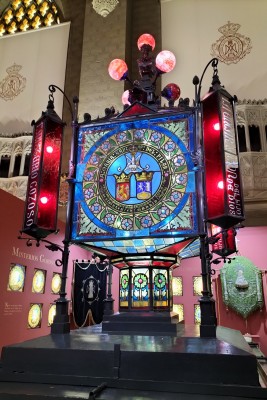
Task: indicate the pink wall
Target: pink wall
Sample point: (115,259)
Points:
(251,243)
(14,306)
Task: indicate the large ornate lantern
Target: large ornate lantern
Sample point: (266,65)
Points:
(223,186)
(40,215)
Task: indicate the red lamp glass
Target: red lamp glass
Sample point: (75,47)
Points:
(165,61)
(146,38)
(226,243)
(40,215)
(118,69)
(223,183)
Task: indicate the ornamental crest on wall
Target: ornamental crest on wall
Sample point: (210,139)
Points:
(242,286)
(232,46)
(13,84)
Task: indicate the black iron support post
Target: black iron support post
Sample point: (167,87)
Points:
(61,323)
(208,322)
(109,301)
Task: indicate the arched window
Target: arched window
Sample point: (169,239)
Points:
(24,15)
(254,138)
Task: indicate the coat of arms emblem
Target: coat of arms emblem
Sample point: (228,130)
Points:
(13,84)
(232,46)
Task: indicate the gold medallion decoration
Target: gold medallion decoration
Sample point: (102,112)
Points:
(56,283)
(51,314)
(16,278)
(13,84)
(232,46)
(38,282)
(177,286)
(35,316)
(197,285)
(179,309)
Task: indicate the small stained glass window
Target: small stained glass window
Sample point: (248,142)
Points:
(124,288)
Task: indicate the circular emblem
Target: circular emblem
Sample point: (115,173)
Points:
(35,316)
(56,283)
(51,314)
(38,282)
(135,179)
(16,278)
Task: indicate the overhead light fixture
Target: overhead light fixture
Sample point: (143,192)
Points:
(104,7)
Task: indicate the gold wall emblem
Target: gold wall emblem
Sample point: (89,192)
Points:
(13,84)
(232,46)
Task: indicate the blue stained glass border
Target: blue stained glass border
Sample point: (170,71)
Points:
(120,126)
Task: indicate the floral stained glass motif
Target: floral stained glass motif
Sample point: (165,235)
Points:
(124,288)
(177,285)
(160,288)
(140,288)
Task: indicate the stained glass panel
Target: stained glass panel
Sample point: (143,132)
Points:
(160,288)
(197,285)
(124,288)
(197,314)
(179,309)
(140,288)
(135,179)
(177,285)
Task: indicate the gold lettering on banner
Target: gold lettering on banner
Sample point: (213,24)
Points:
(232,46)
(13,84)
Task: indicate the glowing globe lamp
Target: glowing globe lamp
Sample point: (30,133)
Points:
(125,98)
(40,214)
(118,69)
(226,243)
(165,61)
(224,196)
(171,92)
(147,39)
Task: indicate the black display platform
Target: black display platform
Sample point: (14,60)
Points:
(140,322)
(184,363)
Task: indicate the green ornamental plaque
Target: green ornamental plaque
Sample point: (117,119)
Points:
(242,286)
